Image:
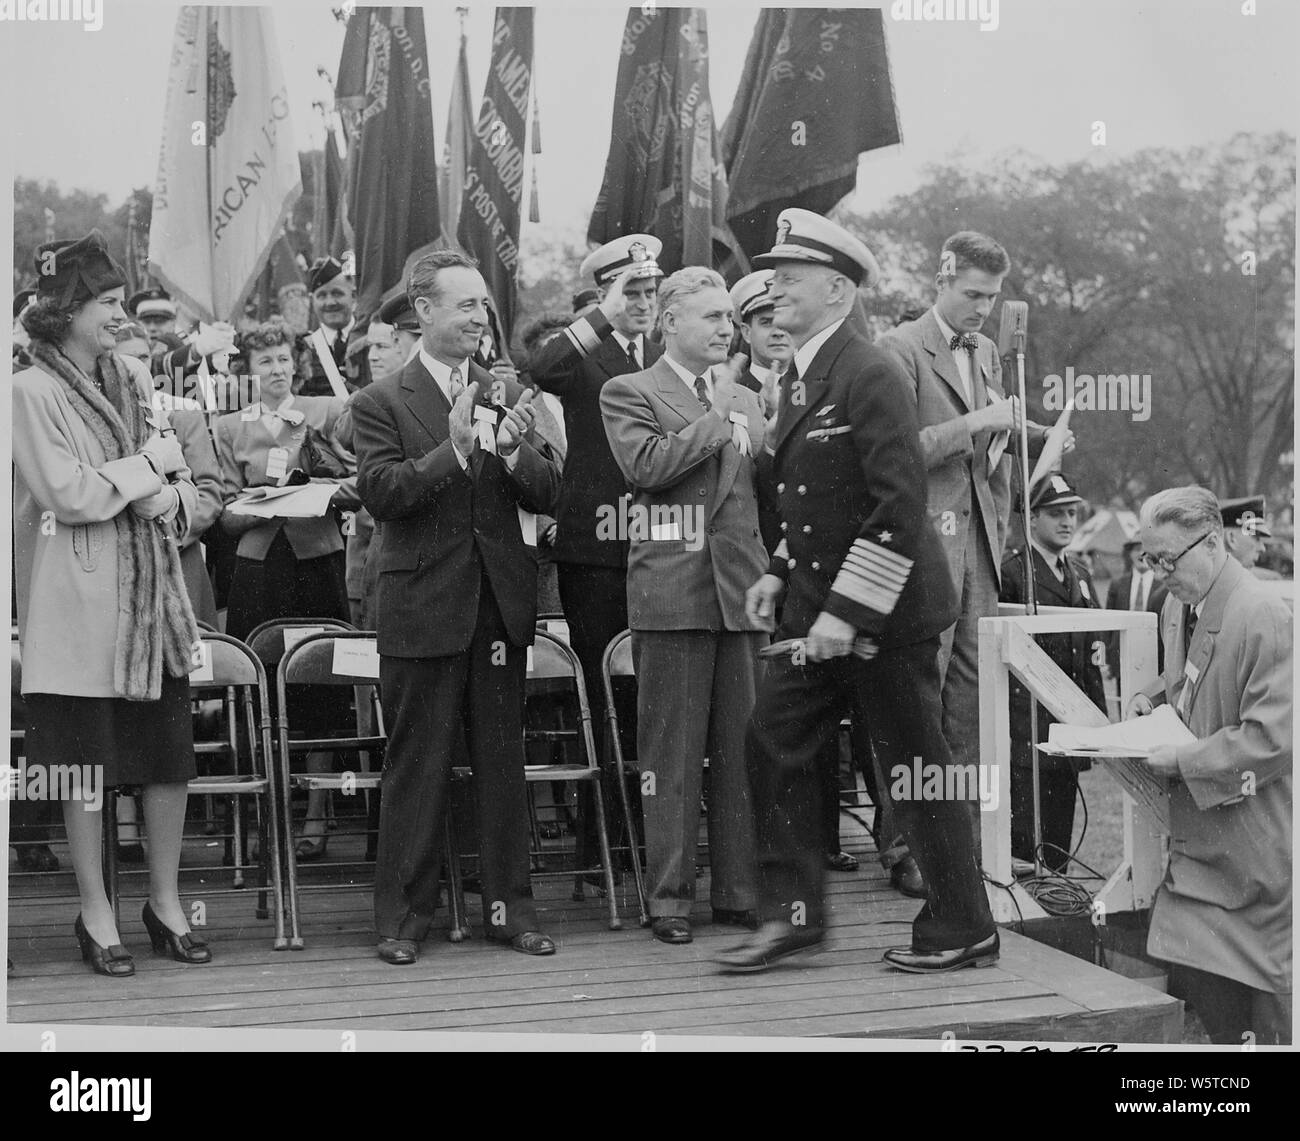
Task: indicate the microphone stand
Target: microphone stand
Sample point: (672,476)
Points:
(1031,592)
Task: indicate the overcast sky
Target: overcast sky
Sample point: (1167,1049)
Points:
(1166,72)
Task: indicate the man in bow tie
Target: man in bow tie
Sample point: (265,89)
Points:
(968,428)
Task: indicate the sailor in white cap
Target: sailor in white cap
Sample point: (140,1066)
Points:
(768,346)
(866,595)
(609,340)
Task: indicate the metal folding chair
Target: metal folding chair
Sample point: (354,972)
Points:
(230,667)
(338,659)
(550,659)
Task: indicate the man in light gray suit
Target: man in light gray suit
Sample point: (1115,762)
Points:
(686,436)
(968,440)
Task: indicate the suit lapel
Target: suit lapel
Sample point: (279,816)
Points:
(941,357)
(816,382)
(425,400)
(1048,583)
(672,390)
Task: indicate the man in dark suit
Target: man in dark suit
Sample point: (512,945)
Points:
(686,436)
(455,483)
(1059,581)
(1136,589)
(337,349)
(603,342)
(968,429)
(867,594)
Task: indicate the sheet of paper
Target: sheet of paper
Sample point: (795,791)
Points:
(356,657)
(528,527)
(1135,738)
(1049,459)
(295,634)
(203,671)
(309,501)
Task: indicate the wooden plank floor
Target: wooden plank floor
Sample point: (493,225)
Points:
(600,981)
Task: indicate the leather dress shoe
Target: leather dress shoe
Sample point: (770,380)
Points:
(841,862)
(398,952)
(725,917)
(533,943)
(672,929)
(775,941)
(905,876)
(981,954)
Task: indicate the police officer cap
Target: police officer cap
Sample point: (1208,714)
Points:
(398,312)
(641,250)
(76,271)
(752,293)
(323,271)
(1053,491)
(1246,513)
(155,302)
(804,236)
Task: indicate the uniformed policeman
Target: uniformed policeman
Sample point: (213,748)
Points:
(1244,532)
(1059,581)
(866,594)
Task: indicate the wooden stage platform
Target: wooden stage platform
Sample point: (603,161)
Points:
(600,981)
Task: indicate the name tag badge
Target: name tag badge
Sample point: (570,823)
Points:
(740,432)
(665,531)
(277,463)
(486,419)
(203,670)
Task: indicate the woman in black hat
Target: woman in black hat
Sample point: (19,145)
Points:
(106,629)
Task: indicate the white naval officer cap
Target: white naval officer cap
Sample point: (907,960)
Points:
(611,259)
(804,236)
(752,293)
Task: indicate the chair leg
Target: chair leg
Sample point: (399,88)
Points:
(606,860)
(634,849)
(236,814)
(455,887)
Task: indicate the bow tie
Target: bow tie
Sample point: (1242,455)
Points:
(288,415)
(963,341)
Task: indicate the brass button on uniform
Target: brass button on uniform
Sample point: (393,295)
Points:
(802,489)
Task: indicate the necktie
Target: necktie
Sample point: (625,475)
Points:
(1143,587)
(702,393)
(965,341)
(631,356)
(1191,627)
(1060,567)
(456,386)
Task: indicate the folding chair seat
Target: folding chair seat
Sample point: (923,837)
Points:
(230,668)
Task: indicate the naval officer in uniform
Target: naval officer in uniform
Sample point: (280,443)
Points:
(866,594)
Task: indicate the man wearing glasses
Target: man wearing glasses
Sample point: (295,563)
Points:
(1222,916)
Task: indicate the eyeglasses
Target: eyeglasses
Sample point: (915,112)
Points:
(1165,563)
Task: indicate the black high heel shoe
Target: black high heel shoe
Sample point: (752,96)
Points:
(187,948)
(114,961)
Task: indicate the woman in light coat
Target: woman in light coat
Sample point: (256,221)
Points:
(107,633)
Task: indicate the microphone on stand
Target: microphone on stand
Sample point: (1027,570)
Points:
(1012,336)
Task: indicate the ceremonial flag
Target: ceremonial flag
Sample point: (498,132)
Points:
(814,94)
(327,221)
(460,135)
(664,174)
(228,173)
(392,170)
(494,175)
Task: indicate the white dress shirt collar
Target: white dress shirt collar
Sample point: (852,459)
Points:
(332,335)
(442,372)
(803,359)
(688,377)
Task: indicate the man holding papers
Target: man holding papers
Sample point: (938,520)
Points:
(1223,913)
